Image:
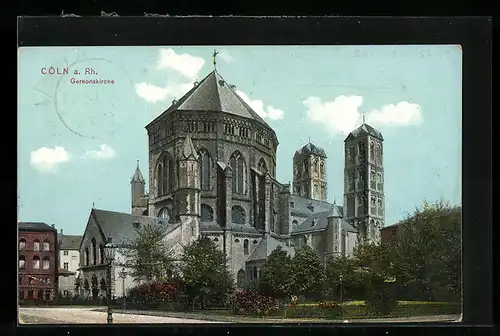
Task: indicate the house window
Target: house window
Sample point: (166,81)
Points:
(66,253)
(66,266)
(22,245)
(238,167)
(238,215)
(46,263)
(36,245)
(206,166)
(36,262)
(245,246)
(45,245)
(207,214)
(22,262)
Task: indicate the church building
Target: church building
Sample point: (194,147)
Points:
(212,172)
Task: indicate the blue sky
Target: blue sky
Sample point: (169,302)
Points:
(78,144)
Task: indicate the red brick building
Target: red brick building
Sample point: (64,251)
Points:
(388,233)
(37,260)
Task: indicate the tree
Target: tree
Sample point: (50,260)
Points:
(340,271)
(308,273)
(277,275)
(206,278)
(427,253)
(146,254)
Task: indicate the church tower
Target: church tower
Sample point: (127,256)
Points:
(309,173)
(187,195)
(364,201)
(138,187)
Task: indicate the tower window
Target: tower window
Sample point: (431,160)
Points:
(238,215)
(207,214)
(379,181)
(372,179)
(245,246)
(306,166)
(378,154)
(165,175)
(372,151)
(238,167)
(322,167)
(206,166)
(316,165)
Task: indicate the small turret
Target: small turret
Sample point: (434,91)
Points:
(138,188)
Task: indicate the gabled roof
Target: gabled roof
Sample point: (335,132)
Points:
(266,247)
(363,130)
(311,149)
(305,206)
(137,175)
(70,242)
(319,221)
(120,226)
(34,226)
(213,94)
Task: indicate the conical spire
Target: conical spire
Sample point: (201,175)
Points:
(137,175)
(189,149)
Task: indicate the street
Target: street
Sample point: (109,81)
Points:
(88,316)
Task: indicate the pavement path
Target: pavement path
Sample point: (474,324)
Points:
(90,316)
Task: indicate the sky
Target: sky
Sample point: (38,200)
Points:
(78,144)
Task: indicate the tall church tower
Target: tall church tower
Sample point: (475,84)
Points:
(309,173)
(187,195)
(364,201)
(138,188)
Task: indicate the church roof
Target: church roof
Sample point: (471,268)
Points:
(319,221)
(137,175)
(120,226)
(266,247)
(304,207)
(311,149)
(214,94)
(363,130)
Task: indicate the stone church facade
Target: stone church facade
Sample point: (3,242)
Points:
(212,172)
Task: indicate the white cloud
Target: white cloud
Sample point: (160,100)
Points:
(185,64)
(105,152)
(401,114)
(47,159)
(225,56)
(259,107)
(342,115)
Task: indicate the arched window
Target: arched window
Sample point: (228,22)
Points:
(22,262)
(87,259)
(378,154)
(240,278)
(101,253)
(372,151)
(245,246)
(361,150)
(36,262)
(22,244)
(165,214)
(237,164)
(165,175)
(45,245)
(207,214)
(36,245)
(206,169)
(306,167)
(322,167)
(295,223)
(262,166)
(46,263)
(316,165)
(379,181)
(238,215)
(94,252)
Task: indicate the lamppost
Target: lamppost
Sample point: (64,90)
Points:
(109,250)
(123,275)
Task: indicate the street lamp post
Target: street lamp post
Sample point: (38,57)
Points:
(109,249)
(123,275)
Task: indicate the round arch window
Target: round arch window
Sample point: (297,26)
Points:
(165,214)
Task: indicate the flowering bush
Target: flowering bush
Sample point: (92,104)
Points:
(251,303)
(155,294)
